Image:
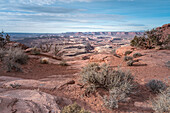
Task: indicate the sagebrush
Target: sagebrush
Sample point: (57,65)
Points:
(14,58)
(161,104)
(135,55)
(119,83)
(127,58)
(130,62)
(156,86)
(117,95)
(104,76)
(128,52)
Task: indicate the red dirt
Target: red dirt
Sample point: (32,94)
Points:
(35,70)
(154,69)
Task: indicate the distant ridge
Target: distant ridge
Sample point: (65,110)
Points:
(104,33)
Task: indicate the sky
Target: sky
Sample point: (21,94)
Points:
(56,16)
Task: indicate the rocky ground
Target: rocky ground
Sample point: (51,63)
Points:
(42,88)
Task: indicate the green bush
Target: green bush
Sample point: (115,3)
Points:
(74,108)
(135,55)
(161,104)
(127,58)
(156,86)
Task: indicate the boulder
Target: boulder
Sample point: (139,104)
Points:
(30,101)
(28,50)
(100,58)
(121,51)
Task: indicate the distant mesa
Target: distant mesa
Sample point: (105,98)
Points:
(105,33)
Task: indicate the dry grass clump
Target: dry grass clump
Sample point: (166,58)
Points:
(64,63)
(156,86)
(161,104)
(117,82)
(14,58)
(135,55)
(35,51)
(74,108)
(127,58)
(2,54)
(44,60)
(18,55)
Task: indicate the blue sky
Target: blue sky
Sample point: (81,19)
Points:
(56,16)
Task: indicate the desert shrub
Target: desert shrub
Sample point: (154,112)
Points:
(9,65)
(117,82)
(47,47)
(161,104)
(85,57)
(156,86)
(135,55)
(57,51)
(63,63)
(128,52)
(104,76)
(74,108)
(130,63)
(44,60)
(117,94)
(151,39)
(89,90)
(127,58)
(167,47)
(114,53)
(111,102)
(88,47)
(17,55)
(167,64)
(35,51)
(13,59)
(2,53)
(2,40)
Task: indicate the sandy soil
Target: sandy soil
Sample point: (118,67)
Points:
(35,70)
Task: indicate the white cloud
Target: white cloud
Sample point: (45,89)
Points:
(38,2)
(49,2)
